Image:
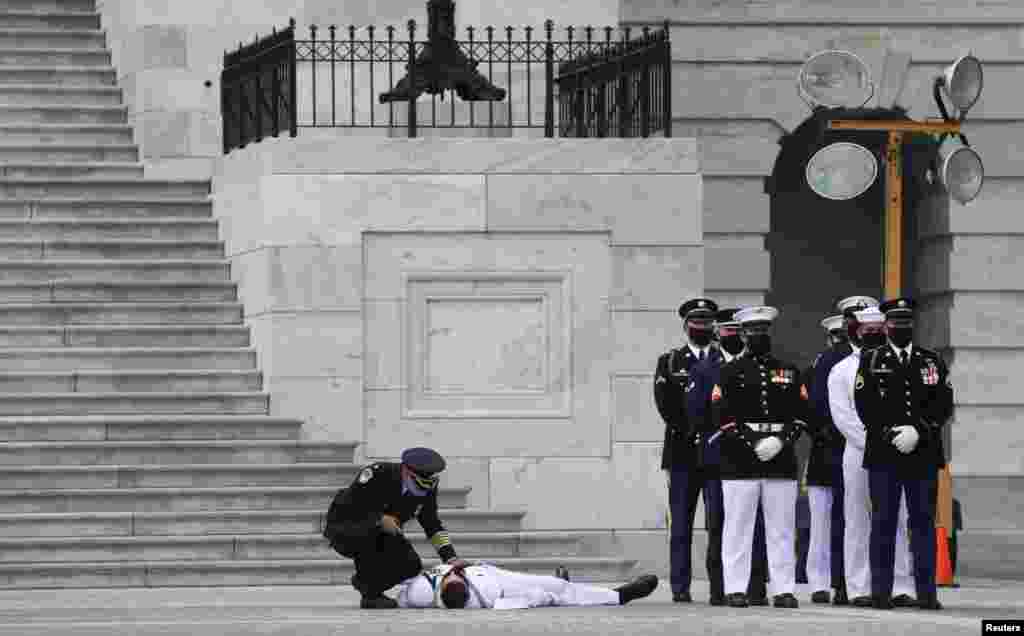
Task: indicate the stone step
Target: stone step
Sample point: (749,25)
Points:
(70,114)
(36,38)
(126,210)
(110,250)
(168,453)
(113,336)
(252,403)
(275,547)
(102,188)
(94,292)
(148,428)
(221,522)
(41,134)
(305,474)
(58,75)
(57,56)
(55,19)
(42,229)
(184,500)
(53,154)
(331,570)
(121,314)
(137,359)
(41,170)
(64,6)
(42,95)
(989,553)
(131,382)
(110,270)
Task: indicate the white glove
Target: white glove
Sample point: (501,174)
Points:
(768,448)
(906,439)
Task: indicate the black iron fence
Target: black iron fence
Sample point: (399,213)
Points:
(594,82)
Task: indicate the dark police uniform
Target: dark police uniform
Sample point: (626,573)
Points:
(704,376)
(353,525)
(759,397)
(892,390)
(679,450)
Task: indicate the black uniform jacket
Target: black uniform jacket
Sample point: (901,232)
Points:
(889,394)
(671,380)
(353,520)
(756,390)
(827,448)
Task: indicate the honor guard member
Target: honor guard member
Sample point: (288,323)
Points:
(870,335)
(905,397)
(365,522)
(704,376)
(823,572)
(759,403)
(678,455)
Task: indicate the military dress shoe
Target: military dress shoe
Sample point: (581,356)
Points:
(787,601)
(717,601)
(929,604)
(739,599)
(882,602)
(378,602)
(562,572)
(821,596)
(758,601)
(840,598)
(904,600)
(639,587)
(682,597)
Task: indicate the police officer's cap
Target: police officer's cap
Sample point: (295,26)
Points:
(698,308)
(726,317)
(898,308)
(849,306)
(869,316)
(423,461)
(751,315)
(832,323)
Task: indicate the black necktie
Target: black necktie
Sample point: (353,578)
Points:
(903,357)
(701,355)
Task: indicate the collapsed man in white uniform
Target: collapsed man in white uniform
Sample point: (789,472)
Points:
(856,500)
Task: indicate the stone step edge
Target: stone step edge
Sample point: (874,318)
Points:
(55,68)
(128,373)
(193,491)
(239,444)
(174,468)
(112,242)
(107,262)
(62,50)
(123,305)
(159,221)
(141,395)
(52,88)
(171,328)
(45,31)
(101,351)
(101,180)
(461,513)
(63,127)
(49,107)
(142,418)
(332,561)
(141,201)
(125,284)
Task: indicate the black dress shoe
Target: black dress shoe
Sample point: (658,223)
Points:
(357,585)
(562,572)
(787,601)
(639,587)
(739,599)
(881,602)
(717,600)
(821,596)
(840,598)
(682,597)
(929,604)
(378,602)
(904,600)
(863,601)
(758,601)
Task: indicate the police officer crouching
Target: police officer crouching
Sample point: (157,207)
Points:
(905,397)
(364,523)
(758,404)
(678,455)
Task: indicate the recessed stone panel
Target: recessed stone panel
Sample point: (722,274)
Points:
(655,277)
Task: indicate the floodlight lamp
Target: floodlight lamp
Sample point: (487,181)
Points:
(841,171)
(835,78)
(962,82)
(960,172)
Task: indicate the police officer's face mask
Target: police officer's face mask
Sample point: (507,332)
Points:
(901,333)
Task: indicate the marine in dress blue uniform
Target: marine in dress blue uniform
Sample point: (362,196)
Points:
(679,457)
(904,396)
(698,403)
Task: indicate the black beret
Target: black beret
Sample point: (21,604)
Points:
(698,306)
(423,461)
(898,307)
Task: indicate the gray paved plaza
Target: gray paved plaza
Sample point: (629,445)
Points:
(333,610)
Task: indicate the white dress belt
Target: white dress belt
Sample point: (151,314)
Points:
(766,427)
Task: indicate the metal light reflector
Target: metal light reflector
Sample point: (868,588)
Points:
(842,171)
(961,172)
(962,82)
(835,79)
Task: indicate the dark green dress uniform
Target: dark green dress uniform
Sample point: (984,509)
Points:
(898,387)
(353,527)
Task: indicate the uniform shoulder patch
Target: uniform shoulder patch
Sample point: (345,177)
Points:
(716,393)
(366,475)
(803,392)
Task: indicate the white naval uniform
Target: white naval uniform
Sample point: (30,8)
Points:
(857,502)
(491,587)
(819,549)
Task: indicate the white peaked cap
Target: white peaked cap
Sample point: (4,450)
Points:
(756,314)
(832,323)
(869,316)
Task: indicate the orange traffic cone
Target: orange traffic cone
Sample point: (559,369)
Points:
(943,564)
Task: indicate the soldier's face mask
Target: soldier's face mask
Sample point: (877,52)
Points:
(871,336)
(758,339)
(900,331)
(730,340)
(698,331)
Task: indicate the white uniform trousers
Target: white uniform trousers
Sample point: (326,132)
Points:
(778,499)
(819,550)
(857,536)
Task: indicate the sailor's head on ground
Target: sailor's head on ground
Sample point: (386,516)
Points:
(454,591)
(420,468)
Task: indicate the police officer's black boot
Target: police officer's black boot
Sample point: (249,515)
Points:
(787,601)
(562,572)
(371,600)
(821,596)
(637,588)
